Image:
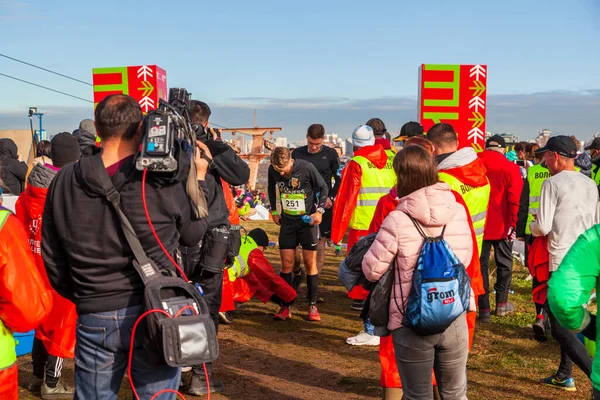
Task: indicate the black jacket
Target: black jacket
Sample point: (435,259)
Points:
(228,165)
(13,170)
(85,252)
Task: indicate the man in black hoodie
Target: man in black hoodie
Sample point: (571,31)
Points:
(13,170)
(207,264)
(89,261)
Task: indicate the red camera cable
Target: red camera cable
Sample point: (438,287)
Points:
(137,322)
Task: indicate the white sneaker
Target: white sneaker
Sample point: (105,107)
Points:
(363,339)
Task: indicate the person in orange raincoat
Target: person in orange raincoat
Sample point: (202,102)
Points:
(24,299)
(55,337)
(390,377)
(371,165)
(227,295)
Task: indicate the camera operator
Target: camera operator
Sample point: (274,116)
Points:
(206,264)
(89,261)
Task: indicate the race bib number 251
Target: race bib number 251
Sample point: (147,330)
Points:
(293,204)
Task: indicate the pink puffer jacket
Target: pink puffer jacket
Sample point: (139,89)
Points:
(434,207)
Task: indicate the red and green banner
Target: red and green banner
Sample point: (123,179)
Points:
(145,83)
(454,94)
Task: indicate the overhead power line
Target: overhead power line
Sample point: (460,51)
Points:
(47,88)
(45,69)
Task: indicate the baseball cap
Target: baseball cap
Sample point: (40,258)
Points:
(363,136)
(595,144)
(561,144)
(410,129)
(495,141)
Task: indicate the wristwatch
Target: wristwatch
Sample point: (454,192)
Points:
(321,210)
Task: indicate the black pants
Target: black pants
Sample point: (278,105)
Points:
(504,265)
(571,350)
(596,394)
(212,285)
(45,364)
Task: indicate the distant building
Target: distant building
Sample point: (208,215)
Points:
(349,148)
(543,137)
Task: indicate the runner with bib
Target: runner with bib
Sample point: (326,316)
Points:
(297,182)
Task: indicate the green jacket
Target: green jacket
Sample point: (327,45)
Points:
(570,286)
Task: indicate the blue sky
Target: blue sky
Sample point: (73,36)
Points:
(334,62)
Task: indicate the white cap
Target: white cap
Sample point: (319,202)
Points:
(363,136)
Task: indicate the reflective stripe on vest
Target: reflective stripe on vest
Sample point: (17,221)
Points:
(536,175)
(476,199)
(375,183)
(240,267)
(8,353)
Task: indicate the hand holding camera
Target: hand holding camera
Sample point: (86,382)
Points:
(202,159)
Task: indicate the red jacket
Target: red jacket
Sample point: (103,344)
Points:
(234,216)
(57,332)
(506,185)
(24,300)
(347,194)
(262,282)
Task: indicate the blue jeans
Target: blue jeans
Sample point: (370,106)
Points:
(101,356)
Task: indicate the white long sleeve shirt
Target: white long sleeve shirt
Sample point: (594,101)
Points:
(568,207)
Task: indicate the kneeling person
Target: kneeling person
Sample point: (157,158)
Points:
(298,182)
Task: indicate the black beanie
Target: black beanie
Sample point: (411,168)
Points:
(260,237)
(65,149)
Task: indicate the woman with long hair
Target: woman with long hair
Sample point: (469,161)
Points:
(432,205)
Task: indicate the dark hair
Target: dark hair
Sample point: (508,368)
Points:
(521,146)
(316,131)
(530,150)
(419,141)
(118,115)
(280,157)
(415,169)
(442,134)
(199,112)
(378,126)
(43,149)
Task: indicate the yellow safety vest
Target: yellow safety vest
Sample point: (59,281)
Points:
(240,267)
(536,175)
(375,183)
(477,200)
(8,353)
(391,154)
(595,173)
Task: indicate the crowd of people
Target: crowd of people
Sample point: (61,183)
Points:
(78,288)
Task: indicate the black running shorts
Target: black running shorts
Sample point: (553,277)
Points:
(325,226)
(294,232)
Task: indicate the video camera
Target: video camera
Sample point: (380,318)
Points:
(168,140)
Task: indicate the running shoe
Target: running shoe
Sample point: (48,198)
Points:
(225,318)
(313,313)
(283,314)
(363,339)
(566,384)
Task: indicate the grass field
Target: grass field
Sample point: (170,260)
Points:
(297,359)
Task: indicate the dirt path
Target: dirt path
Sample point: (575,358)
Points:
(264,359)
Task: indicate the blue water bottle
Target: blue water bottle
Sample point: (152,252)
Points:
(307,219)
